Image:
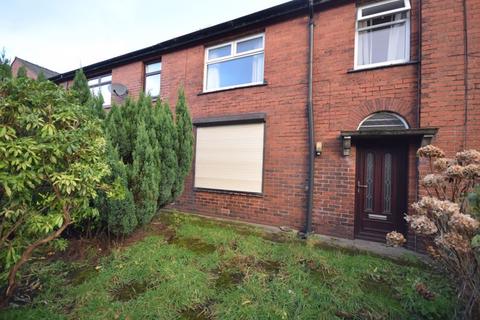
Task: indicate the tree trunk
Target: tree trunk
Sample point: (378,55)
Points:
(26,256)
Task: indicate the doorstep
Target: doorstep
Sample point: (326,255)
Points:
(381,249)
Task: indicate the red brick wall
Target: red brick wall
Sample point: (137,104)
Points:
(443,69)
(341,100)
(283,100)
(17,64)
(130,75)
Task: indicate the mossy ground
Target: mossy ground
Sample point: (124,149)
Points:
(186,267)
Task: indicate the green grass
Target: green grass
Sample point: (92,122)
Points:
(204,269)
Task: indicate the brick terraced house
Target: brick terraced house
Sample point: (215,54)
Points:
(309,114)
(33,70)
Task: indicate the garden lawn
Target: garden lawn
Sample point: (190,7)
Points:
(187,267)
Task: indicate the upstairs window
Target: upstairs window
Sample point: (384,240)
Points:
(234,64)
(102,85)
(153,73)
(383,34)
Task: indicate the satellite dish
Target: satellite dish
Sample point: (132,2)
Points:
(118,89)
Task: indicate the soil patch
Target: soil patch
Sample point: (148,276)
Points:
(129,291)
(319,271)
(228,279)
(193,244)
(379,286)
(269,266)
(81,274)
(91,250)
(198,312)
(233,272)
(157,227)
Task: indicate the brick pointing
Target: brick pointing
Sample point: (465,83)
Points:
(342,100)
(283,100)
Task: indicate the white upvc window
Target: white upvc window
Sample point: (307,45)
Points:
(230,157)
(234,64)
(382,34)
(153,74)
(102,85)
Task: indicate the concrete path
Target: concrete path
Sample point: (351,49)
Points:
(376,248)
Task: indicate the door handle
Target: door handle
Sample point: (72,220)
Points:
(360,186)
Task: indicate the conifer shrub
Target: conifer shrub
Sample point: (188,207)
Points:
(41,76)
(184,147)
(117,215)
(168,153)
(5,68)
(149,152)
(81,91)
(152,154)
(22,72)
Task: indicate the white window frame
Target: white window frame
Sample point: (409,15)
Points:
(218,188)
(359,18)
(404,122)
(99,83)
(233,56)
(153,73)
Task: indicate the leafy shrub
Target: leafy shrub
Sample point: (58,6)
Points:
(52,162)
(448,223)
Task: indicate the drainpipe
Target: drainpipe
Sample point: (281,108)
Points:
(419,105)
(465,73)
(419,65)
(311,143)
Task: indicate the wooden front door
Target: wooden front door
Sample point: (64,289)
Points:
(381,190)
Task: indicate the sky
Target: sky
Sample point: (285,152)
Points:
(63,35)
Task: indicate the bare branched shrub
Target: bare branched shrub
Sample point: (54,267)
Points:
(447,222)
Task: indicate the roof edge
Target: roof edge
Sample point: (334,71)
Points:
(269,15)
(36,65)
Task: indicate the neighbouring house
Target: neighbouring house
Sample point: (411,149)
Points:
(33,70)
(309,114)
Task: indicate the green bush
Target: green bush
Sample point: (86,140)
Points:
(155,154)
(150,155)
(184,146)
(5,68)
(52,162)
(81,92)
(168,154)
(116,215)
(22,72)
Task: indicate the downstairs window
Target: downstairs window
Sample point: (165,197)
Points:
(230,157)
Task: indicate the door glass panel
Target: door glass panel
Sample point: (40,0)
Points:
(369,182)
(387,183)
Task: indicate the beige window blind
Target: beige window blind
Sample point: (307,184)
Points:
(230,157)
